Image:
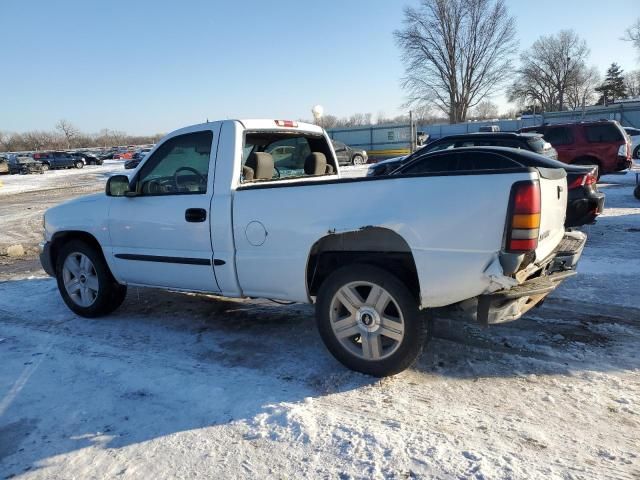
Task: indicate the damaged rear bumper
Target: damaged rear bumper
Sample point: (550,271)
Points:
(507,305)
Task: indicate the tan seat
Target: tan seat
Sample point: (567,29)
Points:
(259,166)
(316,164)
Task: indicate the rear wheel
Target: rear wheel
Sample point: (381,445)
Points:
(358,160)
(45,167)
(79,164)
(636,152)
(369,320)
(85,281)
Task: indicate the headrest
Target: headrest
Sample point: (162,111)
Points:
(315,164)
(262,165)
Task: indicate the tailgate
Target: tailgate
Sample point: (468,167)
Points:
(553,196)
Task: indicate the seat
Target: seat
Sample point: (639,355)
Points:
(316,164)
(259,166)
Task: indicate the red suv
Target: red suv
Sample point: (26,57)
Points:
(602,143)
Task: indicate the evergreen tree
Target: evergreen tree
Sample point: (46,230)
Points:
(613,87)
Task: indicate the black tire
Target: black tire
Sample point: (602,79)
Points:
(636,152)
(636,192)
(110,293)
(415,326)
(79,164)
(45,167)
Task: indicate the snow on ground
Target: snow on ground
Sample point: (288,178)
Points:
(182,386)
(71,177)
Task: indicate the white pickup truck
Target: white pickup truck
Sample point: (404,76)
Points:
(257,208)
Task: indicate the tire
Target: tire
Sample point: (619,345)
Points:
(45,167)
(380,355)
(79,164)
(357,160)
(636,192)
(636,152)
(89,291)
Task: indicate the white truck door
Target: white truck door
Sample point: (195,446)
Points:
(161,236)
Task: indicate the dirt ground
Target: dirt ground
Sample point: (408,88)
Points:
(177,386)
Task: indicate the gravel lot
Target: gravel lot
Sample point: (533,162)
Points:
(177,385)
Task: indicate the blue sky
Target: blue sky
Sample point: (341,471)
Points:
(153,66)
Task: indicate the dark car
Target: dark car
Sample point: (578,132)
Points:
(23,165)
(88,158)
(603,143)
(347,155)
(584,201)
(528,141)
(54,160)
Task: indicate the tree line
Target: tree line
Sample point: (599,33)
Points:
(66,136)
(457,53)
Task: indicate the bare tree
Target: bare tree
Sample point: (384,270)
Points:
(486,109)
(548,69)
(455,52)
(68,131)
(632,34)
(582,90)
(632,82)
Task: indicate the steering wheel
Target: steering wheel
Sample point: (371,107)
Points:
(201,177)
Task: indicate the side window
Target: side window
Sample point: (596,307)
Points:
(460,161)
(179,166)
(558,136)
(447,162)
(602,133)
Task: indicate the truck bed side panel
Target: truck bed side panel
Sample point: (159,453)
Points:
(454,226)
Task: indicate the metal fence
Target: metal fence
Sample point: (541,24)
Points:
(391,140)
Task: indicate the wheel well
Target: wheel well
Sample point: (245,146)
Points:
(376,246)
(61,238)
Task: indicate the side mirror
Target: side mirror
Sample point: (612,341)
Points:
(118,186)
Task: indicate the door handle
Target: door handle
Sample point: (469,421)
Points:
(195,215)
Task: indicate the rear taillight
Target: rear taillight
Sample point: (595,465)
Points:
(583,181)
(524,217)
(625,150)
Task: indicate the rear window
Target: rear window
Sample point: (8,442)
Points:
(289,152)
(602,133)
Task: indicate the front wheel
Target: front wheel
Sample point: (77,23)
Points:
(369,320)
(79,164)
(45,166)
(85,281)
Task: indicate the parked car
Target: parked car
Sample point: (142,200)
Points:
(23,165)
(584,201)
(348,155)
(136,158)
(207,211)
(634,135)
(489,128)
(603,143)
(4,164)
(528,141)
(55,160)
(88,158)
